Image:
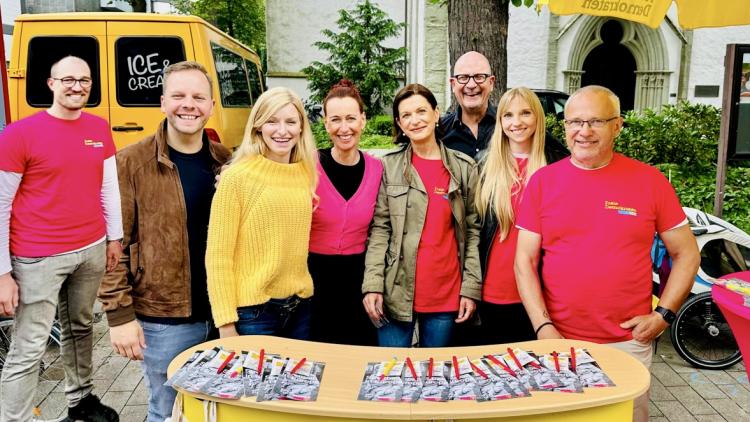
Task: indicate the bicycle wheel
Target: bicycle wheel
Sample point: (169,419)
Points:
(701,335)
(50,367)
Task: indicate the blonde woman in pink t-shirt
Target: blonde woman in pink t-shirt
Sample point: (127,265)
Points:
(516,150)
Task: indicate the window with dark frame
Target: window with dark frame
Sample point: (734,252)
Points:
(253,74)
(139,64)
(44,51)
(233,82)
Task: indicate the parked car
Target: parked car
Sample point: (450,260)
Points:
(127,53)
(552,101)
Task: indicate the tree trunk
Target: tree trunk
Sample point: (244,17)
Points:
(481,25)
(138,5)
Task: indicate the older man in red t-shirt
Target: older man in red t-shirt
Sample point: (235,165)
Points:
(594,217)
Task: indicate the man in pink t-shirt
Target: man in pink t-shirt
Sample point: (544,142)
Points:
(591,221)
(60,228)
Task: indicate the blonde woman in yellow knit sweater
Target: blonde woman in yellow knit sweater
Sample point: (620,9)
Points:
(258,235)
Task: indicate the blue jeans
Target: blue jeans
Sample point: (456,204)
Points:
(65,284)
(435,330)
(163,343)
(288,318)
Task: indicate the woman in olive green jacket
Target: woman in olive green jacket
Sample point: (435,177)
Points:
(422,263)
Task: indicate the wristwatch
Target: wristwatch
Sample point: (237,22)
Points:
(668,315)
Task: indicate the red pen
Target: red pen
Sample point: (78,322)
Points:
(261,358)
(572,359)
(429,369)
(557,361)
(299,365)
(224,364)
(455,367)
(411,368)
(502,365)
(477,370)
(515,359)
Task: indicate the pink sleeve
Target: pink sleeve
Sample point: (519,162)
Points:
(669,212)
(529,212)
(12,151)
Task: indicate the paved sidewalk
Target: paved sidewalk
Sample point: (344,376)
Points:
(679,393)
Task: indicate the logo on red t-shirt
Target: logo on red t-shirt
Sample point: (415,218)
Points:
(95,144)
(614,205)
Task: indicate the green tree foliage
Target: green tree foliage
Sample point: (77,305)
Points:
(241,19)
(357,53)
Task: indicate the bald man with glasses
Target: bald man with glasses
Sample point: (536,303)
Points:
(590,221)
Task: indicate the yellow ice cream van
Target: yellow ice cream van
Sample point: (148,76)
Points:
(127,53)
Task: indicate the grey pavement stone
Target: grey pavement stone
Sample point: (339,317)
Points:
(128,378)
(659,392)
(653,410)
(111,367)
(710,418)
(657,419)
(703,386)
(140,394)
(693,402)
(667,375)
(718,377)
(738,394)
(134,413)
(102,385)
(54,405)
(674,411)
(116,399)
(730,410)
(739,377)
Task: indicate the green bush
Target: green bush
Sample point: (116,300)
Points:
(380,125)
(685,134)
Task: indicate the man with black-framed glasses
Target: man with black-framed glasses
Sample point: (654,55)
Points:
(60,230)
(590,221)
(470,127)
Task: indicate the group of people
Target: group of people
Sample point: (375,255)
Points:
(474,230)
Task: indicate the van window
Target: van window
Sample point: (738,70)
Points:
(253,74)
(45,51)
(139,65)
(233,85)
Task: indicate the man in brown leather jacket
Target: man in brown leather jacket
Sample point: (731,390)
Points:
(156,299)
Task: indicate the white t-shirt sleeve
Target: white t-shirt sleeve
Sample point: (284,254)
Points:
(111,200)
(9,183)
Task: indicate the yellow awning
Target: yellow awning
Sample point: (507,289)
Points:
(691,13)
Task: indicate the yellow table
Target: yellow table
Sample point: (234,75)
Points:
(345,367)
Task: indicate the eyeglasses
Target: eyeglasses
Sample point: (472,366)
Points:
(463,79)
(593,123)
(69,82)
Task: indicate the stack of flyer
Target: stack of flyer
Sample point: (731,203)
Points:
(510,374)
(227,374)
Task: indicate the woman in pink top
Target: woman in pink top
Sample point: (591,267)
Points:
(516,150)
(348,188)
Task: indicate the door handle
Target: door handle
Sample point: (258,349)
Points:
(127,128)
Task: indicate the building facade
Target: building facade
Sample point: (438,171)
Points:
(645,67)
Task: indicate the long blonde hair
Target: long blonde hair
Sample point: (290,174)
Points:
(265,106)
(499,178)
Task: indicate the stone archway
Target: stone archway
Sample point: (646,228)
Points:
(648,48)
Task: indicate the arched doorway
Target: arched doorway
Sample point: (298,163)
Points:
(644,45)
(612,65)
